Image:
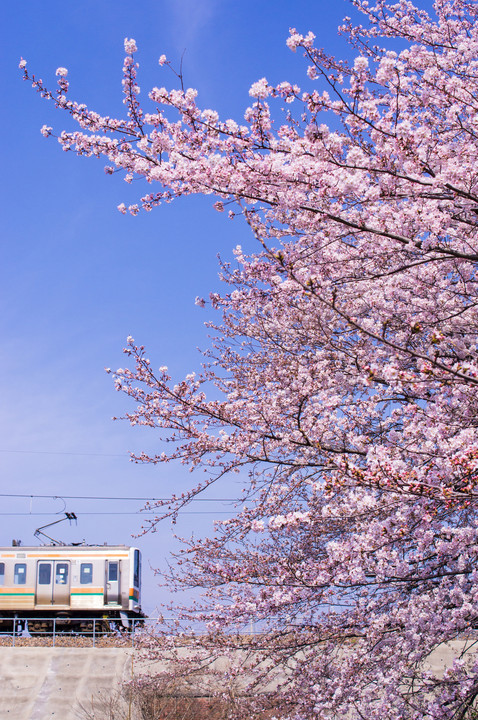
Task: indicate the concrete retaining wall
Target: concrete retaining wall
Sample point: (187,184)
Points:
(54,683)
(42,683)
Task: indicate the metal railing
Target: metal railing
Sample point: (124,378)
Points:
(99,631)
(88,631)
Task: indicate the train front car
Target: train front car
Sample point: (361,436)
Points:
(74,587)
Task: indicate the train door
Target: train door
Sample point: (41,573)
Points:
(113,590)
(53,583)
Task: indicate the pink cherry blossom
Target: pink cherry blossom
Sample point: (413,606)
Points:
(130,46)
(341,384)
(260,89)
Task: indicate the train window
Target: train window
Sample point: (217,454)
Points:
(137,569)
(86,573)
(44,573)
(20,574)
(112,572)
(2,573)
(61,574)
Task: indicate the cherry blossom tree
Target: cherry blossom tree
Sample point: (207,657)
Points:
(342,376)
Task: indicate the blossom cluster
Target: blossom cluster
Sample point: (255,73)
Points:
(344,369)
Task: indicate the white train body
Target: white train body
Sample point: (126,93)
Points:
(70,581)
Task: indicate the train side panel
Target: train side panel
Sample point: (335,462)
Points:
(81,579)
(17,585)
(88,583)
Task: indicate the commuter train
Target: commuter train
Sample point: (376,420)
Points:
(69,586)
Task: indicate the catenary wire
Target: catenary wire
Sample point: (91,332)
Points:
(65,452)
(140,514)
(112,497)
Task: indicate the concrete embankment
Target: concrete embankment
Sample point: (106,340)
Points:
(64,683)
(39,683)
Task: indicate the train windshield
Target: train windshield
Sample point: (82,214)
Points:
(137,568)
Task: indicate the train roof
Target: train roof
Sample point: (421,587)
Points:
(63,548)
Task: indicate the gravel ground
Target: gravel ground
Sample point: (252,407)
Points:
(67,641)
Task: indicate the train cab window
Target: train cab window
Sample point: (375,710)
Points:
(61,574)
(2,573)
(20,574)
(112,572)
(137,568)
(44,573)
(86,573)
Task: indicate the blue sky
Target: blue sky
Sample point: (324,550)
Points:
(77,277)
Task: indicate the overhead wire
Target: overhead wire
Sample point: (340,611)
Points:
(35,496)
(65,452)
(138,512)
(141,513)
(111,497)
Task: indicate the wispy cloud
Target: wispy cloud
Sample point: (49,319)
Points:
(190,18)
